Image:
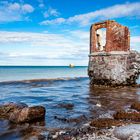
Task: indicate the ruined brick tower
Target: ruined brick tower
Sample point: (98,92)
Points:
(117,36)
(110,61)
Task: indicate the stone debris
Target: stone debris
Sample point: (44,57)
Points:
(117,128)
(86,132)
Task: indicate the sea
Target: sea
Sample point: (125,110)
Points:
(50,86)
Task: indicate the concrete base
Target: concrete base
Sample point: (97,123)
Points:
(114,68)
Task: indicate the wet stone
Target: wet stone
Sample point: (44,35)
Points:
(136,106)
(28,114)
(68,106)
(71,120)
(105,123)
(130,132)
(20,112)
(122,115)
(8,108)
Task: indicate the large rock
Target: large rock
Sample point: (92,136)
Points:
(122,115)
(131,132)
(20,113)
(8,108)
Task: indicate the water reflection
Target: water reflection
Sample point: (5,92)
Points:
(111,99)
(88,101)
(20,131)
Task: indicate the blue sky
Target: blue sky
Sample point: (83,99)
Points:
(56,32)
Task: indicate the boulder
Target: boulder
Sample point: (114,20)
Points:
(105,123)
(122,115)
(131,131)
(136,106)
(7,108)
(21,113)
(28,114)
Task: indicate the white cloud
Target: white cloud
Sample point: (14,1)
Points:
(51,12)
(14,6)
(72,41)
(10,12)
(116,11)
(135,43)
(47,48)
(55,21)
(46,45)
(26,8)
(135,39)
(83,35)
(41,3)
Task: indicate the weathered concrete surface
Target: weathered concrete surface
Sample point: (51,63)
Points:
(21,113)
(112,62)
(114,68)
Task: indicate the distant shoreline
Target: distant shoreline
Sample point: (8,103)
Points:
(42,66)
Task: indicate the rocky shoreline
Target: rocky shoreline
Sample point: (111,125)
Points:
(122,125)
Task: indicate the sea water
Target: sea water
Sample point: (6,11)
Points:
(14,73)
(51,86)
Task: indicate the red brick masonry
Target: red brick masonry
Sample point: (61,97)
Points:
(117,36)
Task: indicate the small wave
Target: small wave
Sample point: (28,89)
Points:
(42,80)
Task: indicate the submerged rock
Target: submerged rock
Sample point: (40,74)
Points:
(28,114)
(105,123)
(8,108)
(20,113)
(72,120)
(136,106)
(68,106)
(122,115)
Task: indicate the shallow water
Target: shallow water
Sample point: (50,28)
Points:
(88,101)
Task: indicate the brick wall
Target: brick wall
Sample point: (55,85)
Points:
(117,36)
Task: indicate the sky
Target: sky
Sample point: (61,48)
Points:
(56,32)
